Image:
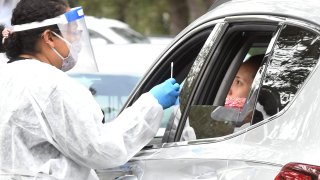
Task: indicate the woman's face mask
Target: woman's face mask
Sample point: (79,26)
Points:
(237,103)
(71,60)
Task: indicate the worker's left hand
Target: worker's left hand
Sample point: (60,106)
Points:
(166,93)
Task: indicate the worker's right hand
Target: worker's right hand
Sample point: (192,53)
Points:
(166,93)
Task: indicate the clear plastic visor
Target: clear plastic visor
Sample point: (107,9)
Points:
(73,30)
(78,40)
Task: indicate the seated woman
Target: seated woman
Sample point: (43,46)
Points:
(241,85)
(236,96)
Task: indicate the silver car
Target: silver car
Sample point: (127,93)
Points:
(275,135)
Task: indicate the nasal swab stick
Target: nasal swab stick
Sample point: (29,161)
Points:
(171,69)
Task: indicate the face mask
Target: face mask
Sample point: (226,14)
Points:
(235,103)
(71,60)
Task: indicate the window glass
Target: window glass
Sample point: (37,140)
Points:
(295,54)
(130,36)
(95,37)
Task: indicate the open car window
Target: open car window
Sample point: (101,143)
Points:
(211,114)
(283,68)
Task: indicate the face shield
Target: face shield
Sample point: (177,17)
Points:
(73,31)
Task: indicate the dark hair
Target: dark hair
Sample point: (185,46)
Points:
(255,62)
(27,11)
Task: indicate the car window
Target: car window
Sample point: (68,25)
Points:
(95,36)
(130,36)
(212,114)
(280,74)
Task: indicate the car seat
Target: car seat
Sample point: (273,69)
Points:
(268,104)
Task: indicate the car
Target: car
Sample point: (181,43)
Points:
(113,31)
(281,139)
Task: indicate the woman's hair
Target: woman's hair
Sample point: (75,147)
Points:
(254,62)
(27,11)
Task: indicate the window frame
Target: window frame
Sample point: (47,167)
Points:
(229,20)
(255,30)
(281,24)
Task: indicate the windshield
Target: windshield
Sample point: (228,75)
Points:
(131,36)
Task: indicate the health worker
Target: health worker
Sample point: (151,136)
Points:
(50,125)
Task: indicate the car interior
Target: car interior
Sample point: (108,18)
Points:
(242,41)
(239,42)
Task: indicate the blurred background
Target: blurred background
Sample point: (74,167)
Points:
(149,17)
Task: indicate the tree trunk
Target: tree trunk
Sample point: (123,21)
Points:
(179,15)
(196,9)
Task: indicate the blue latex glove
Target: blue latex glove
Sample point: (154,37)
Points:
(166,93)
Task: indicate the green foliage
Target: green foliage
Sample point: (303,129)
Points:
(145,16)
(150,17)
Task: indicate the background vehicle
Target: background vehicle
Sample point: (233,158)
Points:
(113,31)
(206,56)
(109,90)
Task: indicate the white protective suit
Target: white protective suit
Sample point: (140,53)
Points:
(50,126)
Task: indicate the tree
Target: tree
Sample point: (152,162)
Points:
(151,17)
(185,11)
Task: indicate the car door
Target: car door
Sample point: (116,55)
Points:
(205,140)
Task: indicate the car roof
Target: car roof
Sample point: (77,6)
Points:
(104,22)
(306,10)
